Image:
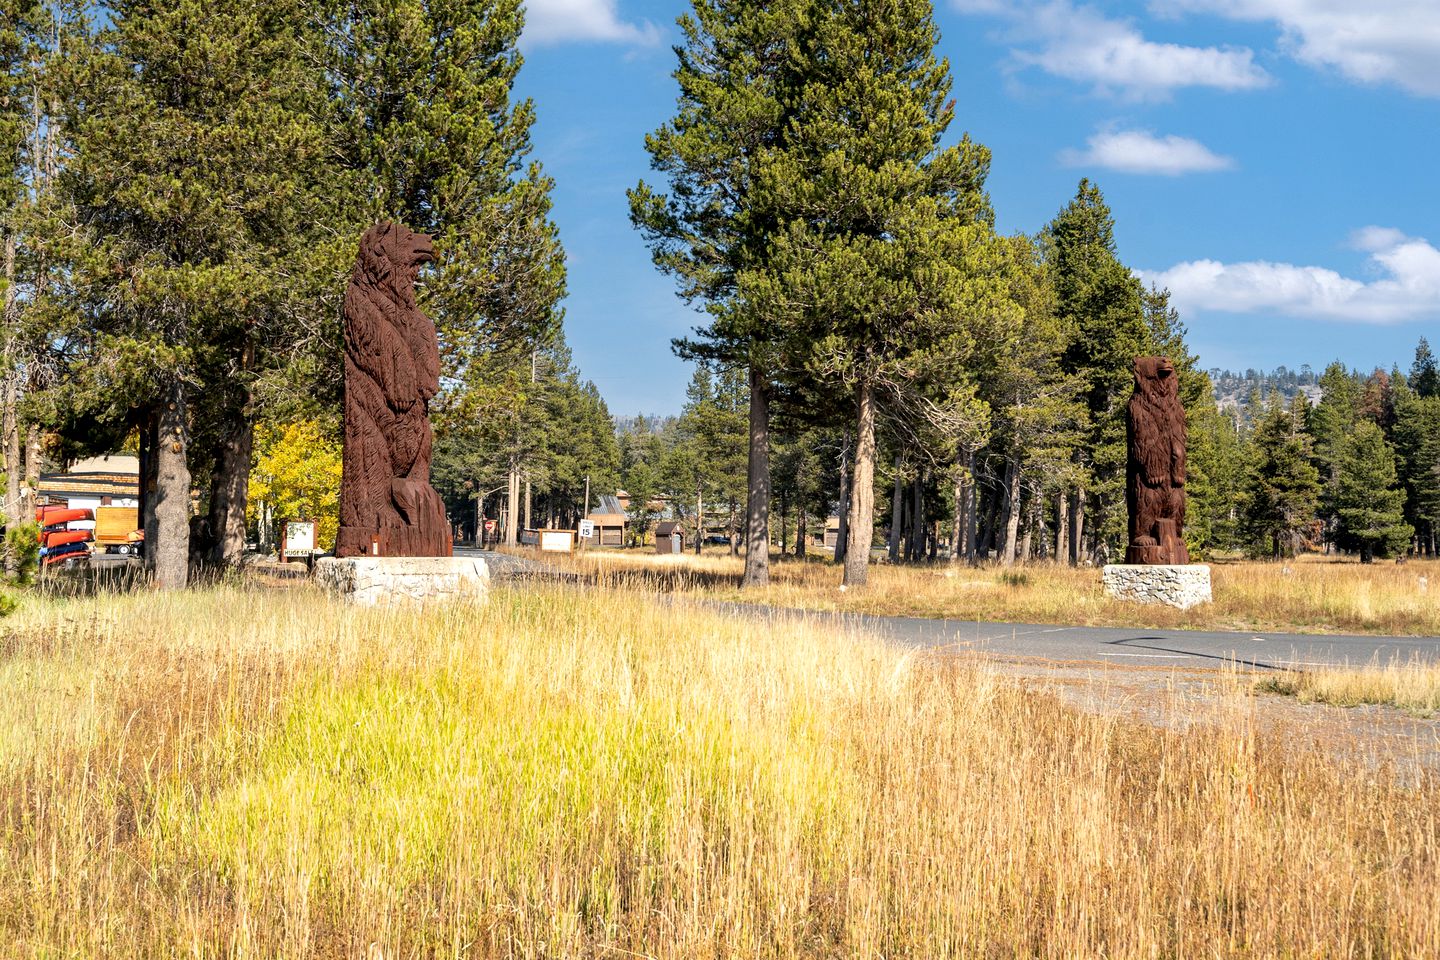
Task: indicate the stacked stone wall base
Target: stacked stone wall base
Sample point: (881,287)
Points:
(380,581)
(1176,585)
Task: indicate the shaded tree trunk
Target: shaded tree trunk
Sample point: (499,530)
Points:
(801,531)
(862,493)
(1033,520)
(168,550)
(897,511)
(230,488)
(842,506)
(917,519)
(972,508)
(1077,526)
(699,518)
(757,501)
(1062,527)
(147,478)
(990,528)
(784,523)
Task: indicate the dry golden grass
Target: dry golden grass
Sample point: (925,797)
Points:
(574,773)
(1413,687)
(1307,596)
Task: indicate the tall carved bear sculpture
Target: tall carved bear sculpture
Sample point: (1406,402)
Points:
(392,370)
(1155,470)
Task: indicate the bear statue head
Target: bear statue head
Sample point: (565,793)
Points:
(392,255)
(1155,377)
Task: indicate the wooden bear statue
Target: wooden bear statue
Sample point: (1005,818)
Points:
(392,370)
(1155,469)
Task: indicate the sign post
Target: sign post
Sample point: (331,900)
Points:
(297,539)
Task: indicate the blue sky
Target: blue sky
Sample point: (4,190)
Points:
(1272,162)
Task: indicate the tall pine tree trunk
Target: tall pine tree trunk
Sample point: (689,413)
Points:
(699,518)
(167,551)
(990,526)
(801,530)
(862,493)
(917,518)
(897,514)
(972,508)
(842,507)
(1077,526)
(32,471)
(230,488)
(757,501)
(1033,519)
(512,505)
(784,522)
(1012,513)
(1062,527)
(10,415)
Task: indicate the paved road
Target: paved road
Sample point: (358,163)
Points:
(1137,646)
(1118,645)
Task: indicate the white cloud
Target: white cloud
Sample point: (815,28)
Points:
(1406,287)
(1370,41)
(1079,43)
(557,21)
(1138,151)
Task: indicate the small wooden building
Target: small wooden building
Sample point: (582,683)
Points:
(669,537)
(609,520)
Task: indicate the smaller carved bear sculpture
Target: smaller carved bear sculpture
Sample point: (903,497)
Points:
(1155,470)
(392,369)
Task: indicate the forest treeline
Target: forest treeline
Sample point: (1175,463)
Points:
(1273,475)
(182,189)
(184,183)
(811,199)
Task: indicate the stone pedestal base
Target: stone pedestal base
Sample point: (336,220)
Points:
(371,581)
(1176,585)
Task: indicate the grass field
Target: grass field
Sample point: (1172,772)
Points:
(1413,687)
(251,773)
(1307,596)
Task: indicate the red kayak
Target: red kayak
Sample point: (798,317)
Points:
(54,516)
(59,538)
(71,551)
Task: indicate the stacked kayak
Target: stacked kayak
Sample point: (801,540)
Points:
(58,543)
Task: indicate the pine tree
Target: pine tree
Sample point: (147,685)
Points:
(16,83)
(1424,375)
(1331,421)
(739,72)
(888,244)
(1099,303)
(1417,449)
(193,184)
(1281,490)
(1370,505)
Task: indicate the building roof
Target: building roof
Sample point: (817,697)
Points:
(608,512)
(94,485)
(666,527)
(109,463)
